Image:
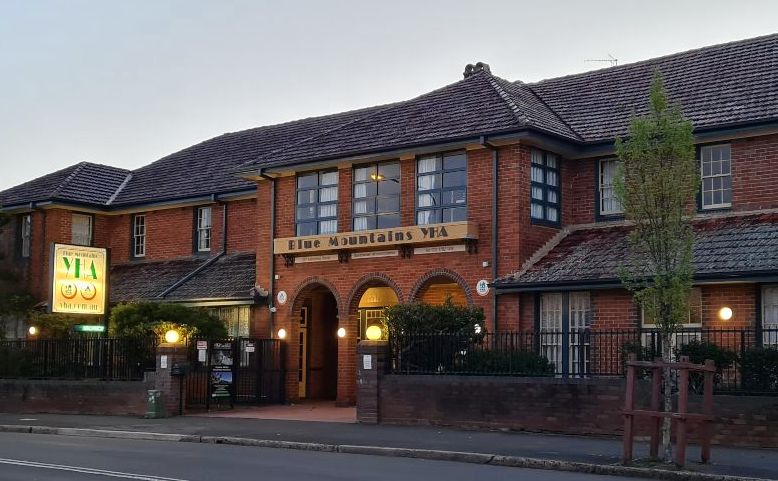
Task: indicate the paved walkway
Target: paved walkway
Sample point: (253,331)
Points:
(321,411)
(761,463)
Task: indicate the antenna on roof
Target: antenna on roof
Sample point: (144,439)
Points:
(611,60)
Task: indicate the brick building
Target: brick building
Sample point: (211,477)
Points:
(310,228)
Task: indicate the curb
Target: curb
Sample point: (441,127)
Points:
(429,454)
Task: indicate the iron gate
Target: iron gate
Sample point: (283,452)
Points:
(249,369)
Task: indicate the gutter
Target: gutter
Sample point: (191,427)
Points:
(205,264)
(271,257)
(495,244)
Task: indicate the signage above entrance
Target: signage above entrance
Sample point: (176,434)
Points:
(78,279)
(417,234)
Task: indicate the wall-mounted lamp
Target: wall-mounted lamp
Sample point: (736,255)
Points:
(33,331)
(725,313)
(172,336)
(282,333)
(374,333)
(342,332)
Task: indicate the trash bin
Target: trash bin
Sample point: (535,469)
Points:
(155,404)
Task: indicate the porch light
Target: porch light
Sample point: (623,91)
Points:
(33,331)
(374,333)
(725,313)
(342,332)
(172,336)
(282,333)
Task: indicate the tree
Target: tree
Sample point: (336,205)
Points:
(154,318)
(657,186)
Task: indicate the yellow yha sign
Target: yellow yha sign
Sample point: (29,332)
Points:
(379,238)
(79,279)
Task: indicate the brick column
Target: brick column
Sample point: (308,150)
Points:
(372,365)
(171,354)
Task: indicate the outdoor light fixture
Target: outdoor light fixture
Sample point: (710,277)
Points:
(374,333)
(341,332)
(172,336)
(282,333)
(33,331)
(725,313)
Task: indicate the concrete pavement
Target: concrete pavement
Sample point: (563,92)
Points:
(594,451)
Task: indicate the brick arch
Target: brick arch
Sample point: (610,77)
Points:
(373,279)
(308,284)
(447,273)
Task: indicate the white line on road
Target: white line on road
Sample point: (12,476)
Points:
(79,469)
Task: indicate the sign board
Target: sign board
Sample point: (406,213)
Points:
(282,297)
(79,279)
(482,287)
(417,234)
(367,362)
(249,347)
(202,345)
(374,254)
(88,328)
(163,362)
(221,370)
(440,249)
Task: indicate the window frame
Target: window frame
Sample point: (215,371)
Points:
(316,203)
(91,224)
(134,236)
(544,203)
(375,214)
(24,238)
(768,335)
(200,230)
(601,214)
(441,190)
(701,193)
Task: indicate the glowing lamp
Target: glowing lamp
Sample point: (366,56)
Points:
(341,332)
(33,331)
(172,336)
(374,333)
(725,313)
(282,333)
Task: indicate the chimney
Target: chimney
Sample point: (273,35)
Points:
(471,69)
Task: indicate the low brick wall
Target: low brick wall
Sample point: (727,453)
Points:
(75,397)
(575,406)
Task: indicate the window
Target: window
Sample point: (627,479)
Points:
(441,188)
(25,230)
(235,319)
(317,203)
(554,344)
(81,230)
(545,186)
(715,167)
(689,331)
(377,196)
(770,315)
(203,232)
(609,204)
(139,236)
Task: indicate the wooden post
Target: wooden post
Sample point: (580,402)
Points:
(656,395)
(629,406)
(683,409)
(706,433)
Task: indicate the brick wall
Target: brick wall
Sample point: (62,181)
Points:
(754,170)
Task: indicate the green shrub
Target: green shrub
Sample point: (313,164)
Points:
(154,319)
(698,352)
(760,369)
(520,363)
(419,317)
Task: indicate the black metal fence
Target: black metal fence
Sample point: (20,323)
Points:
(747,359)
(125,358)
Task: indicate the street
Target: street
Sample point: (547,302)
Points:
(46,457)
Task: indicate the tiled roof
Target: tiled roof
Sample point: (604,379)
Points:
(719,85)
(230,276)
(84,182)
(724,246)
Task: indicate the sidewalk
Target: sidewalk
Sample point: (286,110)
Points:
(760,463)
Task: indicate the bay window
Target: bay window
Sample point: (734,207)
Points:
(544,205)
(441,188)
(317,203)
(377,196)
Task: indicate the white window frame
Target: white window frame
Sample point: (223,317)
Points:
(25,227)
(204,228)
(609,188)
(770,315)
(139,235)
(79,238)
(680,337)
(720,175)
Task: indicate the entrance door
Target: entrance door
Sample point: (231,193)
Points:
(302,355)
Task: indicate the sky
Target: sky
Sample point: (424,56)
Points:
(126,83)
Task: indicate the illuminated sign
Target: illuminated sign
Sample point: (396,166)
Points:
(88,328)
(416,234)
(79,279)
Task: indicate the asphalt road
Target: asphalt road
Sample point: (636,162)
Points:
(41,457)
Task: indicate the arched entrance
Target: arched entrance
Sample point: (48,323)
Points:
(437,287)
(371,295)
(316,344)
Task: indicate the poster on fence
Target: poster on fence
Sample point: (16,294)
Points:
(221,370)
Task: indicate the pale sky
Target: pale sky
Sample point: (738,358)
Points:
(125,83)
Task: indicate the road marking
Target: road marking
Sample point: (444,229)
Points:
(79,469)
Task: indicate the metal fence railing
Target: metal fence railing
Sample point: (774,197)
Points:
(125,358)
(747,359)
